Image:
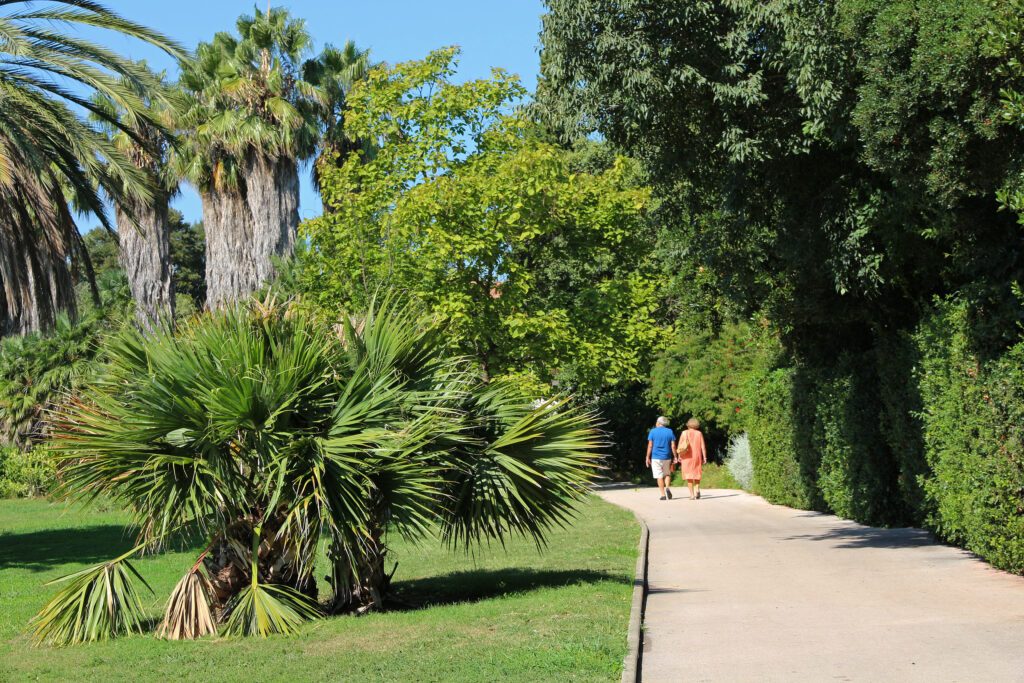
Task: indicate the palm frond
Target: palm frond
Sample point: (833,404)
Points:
(188,614)
(263,609)
(97,603)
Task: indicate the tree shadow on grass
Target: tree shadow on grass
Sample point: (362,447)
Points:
(482,584)
(42,550)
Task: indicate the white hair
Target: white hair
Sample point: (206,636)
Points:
(663,421)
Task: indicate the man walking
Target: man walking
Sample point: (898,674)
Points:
(661,450)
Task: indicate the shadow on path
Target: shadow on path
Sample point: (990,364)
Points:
(870,537)
(42,550)
(481,584)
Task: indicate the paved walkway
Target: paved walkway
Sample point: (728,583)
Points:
(741,590)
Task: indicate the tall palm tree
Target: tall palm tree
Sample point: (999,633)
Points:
(143,225)
(258,109)
(49,152)
(334,72)
(264,433)
(250,123)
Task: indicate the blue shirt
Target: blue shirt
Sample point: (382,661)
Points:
(662,438)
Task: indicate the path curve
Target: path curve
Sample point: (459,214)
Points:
(741,590)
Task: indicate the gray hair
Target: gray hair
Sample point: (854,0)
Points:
(662,421)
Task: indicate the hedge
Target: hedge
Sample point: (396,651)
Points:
(917,430)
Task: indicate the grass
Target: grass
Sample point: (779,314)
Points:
(715,476)
(512,614)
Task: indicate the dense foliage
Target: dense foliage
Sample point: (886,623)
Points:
(833,167)
(268,434)
(537,259)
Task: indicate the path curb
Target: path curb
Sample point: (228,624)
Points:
(635,638)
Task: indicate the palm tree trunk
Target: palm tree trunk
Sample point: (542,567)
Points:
(230,271)
(247,228)
(145,256)
(36,255)
(273,199)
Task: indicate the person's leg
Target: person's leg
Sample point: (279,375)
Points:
(696,485)
(689,483)
(668,483)
(658,471)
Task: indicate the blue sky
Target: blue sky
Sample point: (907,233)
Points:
(490,32)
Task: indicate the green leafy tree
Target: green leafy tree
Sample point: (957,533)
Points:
(267,434)
(188,259)
(540,271)
(51,153)
(831,164)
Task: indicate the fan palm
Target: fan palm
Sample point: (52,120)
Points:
(258,109)
(269,435)
(334,72)
(49,152)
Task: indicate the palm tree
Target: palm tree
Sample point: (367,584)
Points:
(250,123)
(334,72)
(49,152)
(266,433)
(144,229)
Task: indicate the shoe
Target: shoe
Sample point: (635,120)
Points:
(668,493)
(662,498)
(698,495)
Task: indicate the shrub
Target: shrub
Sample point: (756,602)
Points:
(973,422)
(857,474)
(25,473)
(738,461)
(782,450)
(37,370)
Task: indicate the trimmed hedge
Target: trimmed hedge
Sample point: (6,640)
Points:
(918,430)
(973,429)
(785,468)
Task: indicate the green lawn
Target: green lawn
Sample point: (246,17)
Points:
(513,615)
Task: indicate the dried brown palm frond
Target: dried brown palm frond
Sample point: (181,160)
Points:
(188,614)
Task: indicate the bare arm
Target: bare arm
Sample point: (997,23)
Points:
(675,455)
(703,451)
(650,445)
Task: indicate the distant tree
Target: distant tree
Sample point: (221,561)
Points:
(188,258)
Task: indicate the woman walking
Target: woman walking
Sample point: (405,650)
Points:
(692,456)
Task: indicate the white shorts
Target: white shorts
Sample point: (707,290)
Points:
(661,468)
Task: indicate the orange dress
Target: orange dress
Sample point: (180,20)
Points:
(693,466)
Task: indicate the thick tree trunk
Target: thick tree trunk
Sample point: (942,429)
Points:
(273,198)
(145,256)
(247,228)
(230,270)
(36,254)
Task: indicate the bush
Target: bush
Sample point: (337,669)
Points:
(857,475)
(25,473)
(782,450)
(738,461)
(37,370)
(973,423)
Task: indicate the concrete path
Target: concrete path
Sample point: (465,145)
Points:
(741,590)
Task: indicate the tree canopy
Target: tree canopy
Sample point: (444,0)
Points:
(540,267)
